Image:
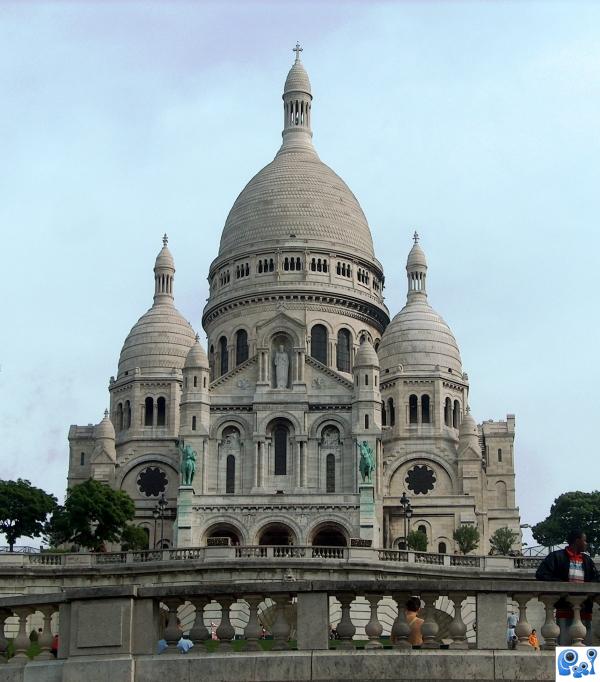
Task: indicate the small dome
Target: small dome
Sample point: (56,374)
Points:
(366,356)
(165,257)
(158,342)
(468,426)
(105,428)
(297,79)
(196,357)
(418,339)
(416,257)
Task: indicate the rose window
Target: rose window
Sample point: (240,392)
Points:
(152,481)
(420,479)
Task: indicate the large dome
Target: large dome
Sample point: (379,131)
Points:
(160,340)
(297,196)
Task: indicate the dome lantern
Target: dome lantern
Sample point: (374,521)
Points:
(416,271)
(164,273)
(297,103)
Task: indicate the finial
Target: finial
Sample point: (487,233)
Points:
(468,409)
(165,239)
(197,338)
(105,414)
(297,50)
(416,236)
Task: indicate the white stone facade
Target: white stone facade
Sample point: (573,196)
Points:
(303,365)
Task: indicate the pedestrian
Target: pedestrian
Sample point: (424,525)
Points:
(54,646)
(412,608)
(511,624)
(534,641)
(571,565)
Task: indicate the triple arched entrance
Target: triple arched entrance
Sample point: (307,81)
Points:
(279,533)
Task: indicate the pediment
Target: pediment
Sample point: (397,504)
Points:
(240,381)
(321,380)
(281,323)
(102,456)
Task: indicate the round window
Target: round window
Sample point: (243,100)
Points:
(152,481)
(420,479)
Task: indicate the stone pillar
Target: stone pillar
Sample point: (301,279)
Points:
(199,633)
(458,630)
(253,628)
(400,628)
(491,620)
(45,639)
(550,630)
(312,629)
(577,630)
(172,633)
(298,464)
(373,628)
(523,628)
(430,628)
(225,631)
(346,628)
(21,641)
(256,456)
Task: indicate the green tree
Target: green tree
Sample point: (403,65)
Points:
(503,540)
(133,537)
(417,541)
(571,511)
(467,538)
(24,510)
(93,515)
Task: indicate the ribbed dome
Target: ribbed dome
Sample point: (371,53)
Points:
(416,257)
(468,426)
(366,356)
(297,194)
(297,79)
(196,357)
(419,339)
(159,341)
(105,428)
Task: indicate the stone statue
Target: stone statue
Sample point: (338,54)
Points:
(331,437)
(282,365)
(367,461)
(232,441)
(188,463)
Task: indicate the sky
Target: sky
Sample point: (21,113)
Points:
(475,123)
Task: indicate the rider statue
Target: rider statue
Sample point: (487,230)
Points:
(188,463)
(367,462)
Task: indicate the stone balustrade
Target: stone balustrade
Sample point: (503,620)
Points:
(113,633)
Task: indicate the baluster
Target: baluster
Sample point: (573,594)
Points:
(523,628)
(280,628)
(430,628)
(458,630)
(577,631)
(199,633)
(225,631)
(21,641)
(45,639)
(172,630)
(346,628)
(4,614)
(400,628)
(373,628)
(253,629)
(550,629)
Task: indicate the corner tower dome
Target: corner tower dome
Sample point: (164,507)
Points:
(160,340)
(296,199)
(418,339)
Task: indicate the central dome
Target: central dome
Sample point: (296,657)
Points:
(298,197)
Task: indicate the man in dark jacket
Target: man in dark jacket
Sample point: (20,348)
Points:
(574,566)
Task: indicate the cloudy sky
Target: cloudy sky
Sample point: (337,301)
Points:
(474,122)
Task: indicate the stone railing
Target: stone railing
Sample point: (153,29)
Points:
(113,633)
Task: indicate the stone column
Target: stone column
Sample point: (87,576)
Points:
(45,639)
(199,633)
(458,630)
(523,628)
(21,641)
(550,630)
(302,362)
(373,628)
(346,628)
(577,630)
(172,633)
(253,629)
(430,628)
(298,464)
(256,456)
(400,628)
(225,631)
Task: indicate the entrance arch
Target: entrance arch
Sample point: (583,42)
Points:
(276,534)
(329,534)
(224,530)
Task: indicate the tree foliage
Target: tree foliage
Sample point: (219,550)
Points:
(24,510)
(417,541)
(133,538)
(502,541)
(467,538)
(93,515)
(571,511)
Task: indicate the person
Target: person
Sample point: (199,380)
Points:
(534,641)
(54,646)
(572,565)
(184,644)
(414,622)
(511,624)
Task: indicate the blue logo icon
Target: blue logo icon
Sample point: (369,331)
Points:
(575,663)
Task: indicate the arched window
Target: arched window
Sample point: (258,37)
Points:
(366,421)
(223,354)
(318,343)
(148,412)
(448,412)
(392,412)
(343,350)
(499,454)
(501,495)
(127,414)
(456,415)
(211,361)
(195,382)
(442,548)
(241,346)
(330,473)
(203,382)
(120,417)
(383,414)
(422,529)
(82,459)
(230,475)
(194,423)
(161,412)
(366,379)
(280,436)
(413,409)
(425,412)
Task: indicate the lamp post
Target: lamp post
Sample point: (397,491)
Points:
(159,513)
(407,512)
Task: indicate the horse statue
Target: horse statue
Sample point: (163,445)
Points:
(188,463)
(367,461)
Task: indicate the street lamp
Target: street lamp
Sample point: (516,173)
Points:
(159,513)
(407,512)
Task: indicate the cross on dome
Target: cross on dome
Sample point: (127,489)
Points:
(416,236)
(165,239)
(298,49)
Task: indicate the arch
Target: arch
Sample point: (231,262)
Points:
(425,411)
(82,459)
(271,418)
(224,529)
(127,415)
(144,459)
(367,421)
(193,422)
(224,368)
(456,415)
(317,428)
(281,435)
(161,412)
(328,534)
(120,417)
(448,412)
(413,409)
(419,458)
(211,361)
(149,411)
(501,495)
(241,346)
(344,341)
(276,533)
(318,343)
(195,381)
(442,548)
(330,473)
(383,414)
(499,455)
(391,412)
(230,475)
(218,427)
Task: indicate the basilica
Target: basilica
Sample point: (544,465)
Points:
(303,376)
